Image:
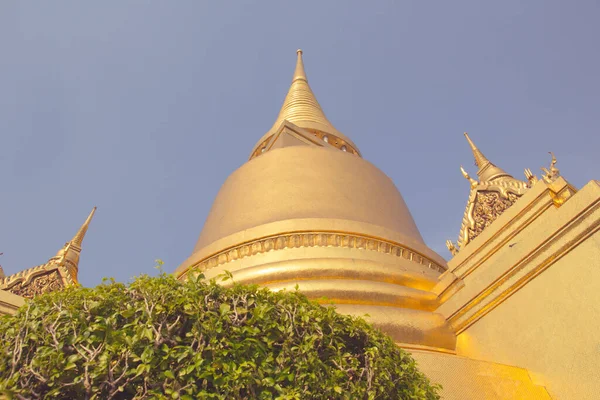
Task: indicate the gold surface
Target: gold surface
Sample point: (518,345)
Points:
(487,171)
(9,302)
(71,251)
(313,239)
(404,325)
(548,328)
(60,271)
(306,211)
(395,294)
(344,291)
(468,379)
(300,182)
(529,289)
(488,199)
(551,173)
(290,269)
(300,104)
(302,108)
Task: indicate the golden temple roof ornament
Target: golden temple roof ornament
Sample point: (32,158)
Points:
(472,181)
(531,178)
(60,271)
(299,72)
(78,238)
(68,256)
(495,192)
(300,104)
(552,173)
(451,247)
(480,159)
(487,171)
(301,108)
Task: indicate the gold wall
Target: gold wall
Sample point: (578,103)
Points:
(9,302)
(527,291)
(464,378)
(551,326)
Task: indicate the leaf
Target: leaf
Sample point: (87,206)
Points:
(281,345)
(224,308)
(70,366)
(169,374)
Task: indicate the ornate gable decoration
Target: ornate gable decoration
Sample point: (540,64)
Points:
(494,193)
(487,201)
(59,272)
(44,278)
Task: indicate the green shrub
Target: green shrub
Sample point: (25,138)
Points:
(161,338)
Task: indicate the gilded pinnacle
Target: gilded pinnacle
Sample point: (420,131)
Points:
(480,159)
(69,254)
(487,171)
(302,109)
(299,72)
(301,105)
(78,238)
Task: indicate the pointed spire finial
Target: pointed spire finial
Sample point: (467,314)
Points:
(68,256)
(300,105)
(487,171)
(299,73)
(302,109)
(78,238)
(480,159)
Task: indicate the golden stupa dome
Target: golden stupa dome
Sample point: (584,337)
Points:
(307,210)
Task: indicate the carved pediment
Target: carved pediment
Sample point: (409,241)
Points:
(486,208)
(494,193)
(486,203)
(489,199)
(34,281)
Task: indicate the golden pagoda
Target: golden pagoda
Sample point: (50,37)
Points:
(316,214)
(512,315)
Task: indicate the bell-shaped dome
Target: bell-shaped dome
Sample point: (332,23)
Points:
(313,184)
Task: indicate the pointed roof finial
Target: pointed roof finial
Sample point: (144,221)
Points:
(301,105)
(78,238)
(487,171)
(299,73)
(301,108)
(480,159)
(68,256)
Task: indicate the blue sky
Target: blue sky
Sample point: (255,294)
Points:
(143,108)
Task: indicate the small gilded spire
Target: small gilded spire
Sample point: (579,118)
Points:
(300,106)
(302,109)
(480,160)
(78,238)
(68,256)
(487,171)
(299,72)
